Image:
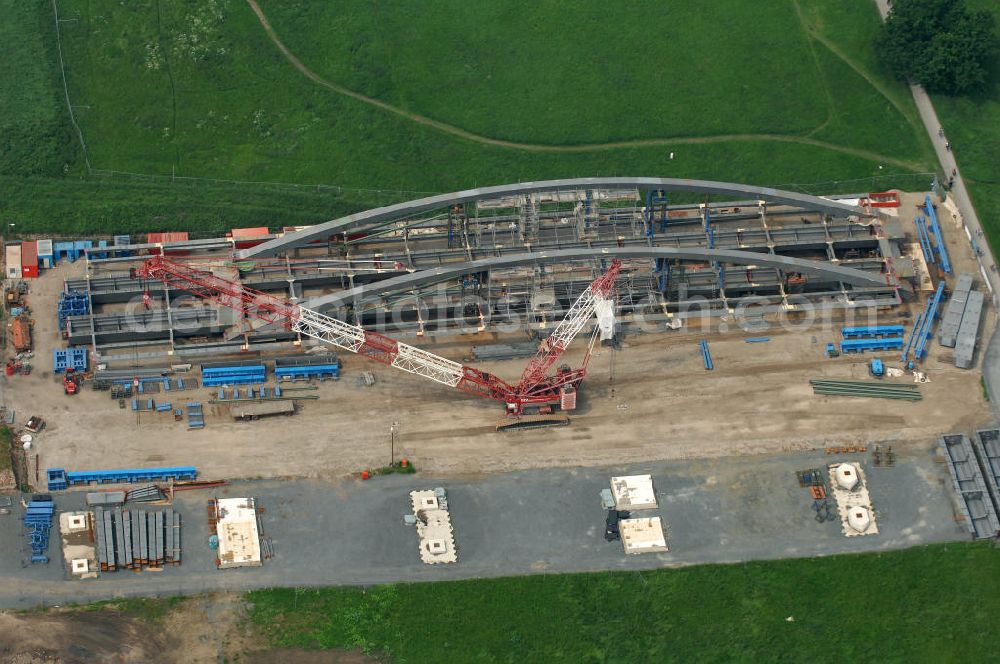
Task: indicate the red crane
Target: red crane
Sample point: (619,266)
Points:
(535,389)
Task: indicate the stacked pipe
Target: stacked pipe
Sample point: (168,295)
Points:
(866,388)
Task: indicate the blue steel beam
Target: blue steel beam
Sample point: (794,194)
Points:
(924,238)
(706,356)
(911,340)
(920,351)
(923,327)
(936,228)
(131,475)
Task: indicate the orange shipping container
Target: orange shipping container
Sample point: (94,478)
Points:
(248,237)
(20,334)
(155,238)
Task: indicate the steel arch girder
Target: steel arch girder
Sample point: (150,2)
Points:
(401,210)
(413,280)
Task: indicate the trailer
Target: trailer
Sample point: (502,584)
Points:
(255,410)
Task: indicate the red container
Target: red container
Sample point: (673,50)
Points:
(156,238)
(244,238)
(29,260)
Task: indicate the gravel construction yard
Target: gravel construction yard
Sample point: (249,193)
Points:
(351,532)
(652,400)
(661,404)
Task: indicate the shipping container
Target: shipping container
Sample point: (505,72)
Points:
(29,260)
(243,238)
(13,261)
(20,333)
(45,256)
(153,238)
(163,238)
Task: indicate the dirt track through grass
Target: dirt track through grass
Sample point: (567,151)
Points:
(446,103)
(815,35)
(536,147)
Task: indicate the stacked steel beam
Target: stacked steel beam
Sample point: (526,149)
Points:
(145,494)
(866,388)
(136,538)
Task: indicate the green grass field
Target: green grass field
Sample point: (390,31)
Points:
(927,604)
(782,95)
(973,126)
(269,122)
(35,137)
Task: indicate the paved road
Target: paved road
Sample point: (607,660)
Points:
(946,157)
(542,521)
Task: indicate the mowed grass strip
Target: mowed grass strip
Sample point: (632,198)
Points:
(926,604)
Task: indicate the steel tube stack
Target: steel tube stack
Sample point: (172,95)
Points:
(866,388)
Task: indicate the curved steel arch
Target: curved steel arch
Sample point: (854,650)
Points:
(325,230)
(433,275)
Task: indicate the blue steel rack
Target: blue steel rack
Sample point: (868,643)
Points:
(60,478)
(872,331)
(861,345)
(214,375)
(69,358)
(303,368)
(196,416)
(38,525)
(71,303)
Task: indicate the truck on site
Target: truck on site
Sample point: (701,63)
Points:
(876,368)
(71,382)
(254,410)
